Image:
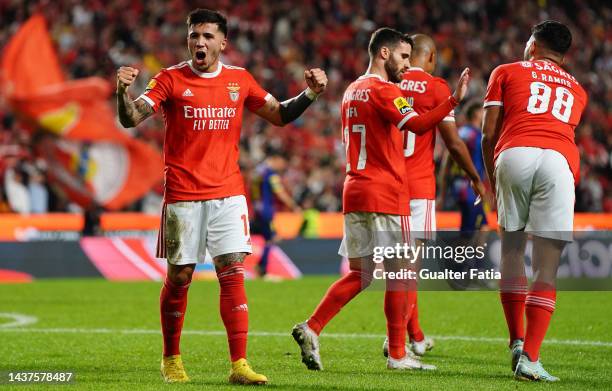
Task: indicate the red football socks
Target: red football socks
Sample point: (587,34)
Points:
(540,305)
(172,304)
(234,309)
(414,329)
(513,293)
(337,296)
(396,312)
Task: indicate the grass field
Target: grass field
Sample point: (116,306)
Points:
(107,334)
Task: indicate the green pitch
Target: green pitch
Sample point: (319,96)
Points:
(107,334)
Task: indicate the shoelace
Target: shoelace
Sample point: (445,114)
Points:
(175,367)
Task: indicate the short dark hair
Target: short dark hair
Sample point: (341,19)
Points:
(553,35)
(271,151)
(389,37)
(201,15)
(471,108)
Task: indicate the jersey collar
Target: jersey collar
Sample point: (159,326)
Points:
(368,75)
(207,75)
(416,69)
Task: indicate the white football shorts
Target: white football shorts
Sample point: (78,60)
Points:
(535,192)
(363,231)
(423,219)
(189,228)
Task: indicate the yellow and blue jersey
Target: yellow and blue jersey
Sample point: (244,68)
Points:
(264,184)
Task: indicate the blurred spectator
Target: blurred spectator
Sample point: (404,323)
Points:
(16,191)
(276,40)
(39,196)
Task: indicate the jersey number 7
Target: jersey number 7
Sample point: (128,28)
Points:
(363,153)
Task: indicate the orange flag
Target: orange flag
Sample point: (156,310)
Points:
(90,157)
(75,109)
(29,61)
(111,174)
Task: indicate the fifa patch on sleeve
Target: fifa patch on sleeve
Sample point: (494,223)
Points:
(402,105)
(151,85)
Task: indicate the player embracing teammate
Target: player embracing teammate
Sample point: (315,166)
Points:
(531,110)
(375,201)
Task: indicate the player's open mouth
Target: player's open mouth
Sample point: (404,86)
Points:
(200,56)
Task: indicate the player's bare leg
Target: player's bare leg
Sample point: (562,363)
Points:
(540,305)
(306,334)
(235,316)
(513,289)
(173,303)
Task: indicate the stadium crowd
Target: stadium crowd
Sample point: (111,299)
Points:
(275,41)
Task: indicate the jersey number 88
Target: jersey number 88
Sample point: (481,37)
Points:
(540,99)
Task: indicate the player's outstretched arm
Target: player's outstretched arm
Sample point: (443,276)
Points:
(131,113)
(491,126)
(280,114)
(420,124)
(460,154)
(462,85)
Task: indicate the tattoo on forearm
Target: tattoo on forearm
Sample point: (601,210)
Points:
(131,112)
(272,105)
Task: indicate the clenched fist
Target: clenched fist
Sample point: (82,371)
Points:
(125,78)
(316,80)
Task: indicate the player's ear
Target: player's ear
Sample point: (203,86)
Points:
(385,52)
(223,43)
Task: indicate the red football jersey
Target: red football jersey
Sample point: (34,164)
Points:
(203,117)
(542,105)
(373,111)
(423,92)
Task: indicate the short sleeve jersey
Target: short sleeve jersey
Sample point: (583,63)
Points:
(423,92)
(373,111)
(542,104)
(203,118)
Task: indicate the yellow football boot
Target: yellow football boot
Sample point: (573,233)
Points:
(172,369)
(242,373)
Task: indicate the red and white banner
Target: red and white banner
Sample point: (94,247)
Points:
(88,156)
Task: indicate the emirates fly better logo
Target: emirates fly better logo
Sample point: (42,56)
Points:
(212,117)
(233,89)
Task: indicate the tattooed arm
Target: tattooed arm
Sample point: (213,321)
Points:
(131,112)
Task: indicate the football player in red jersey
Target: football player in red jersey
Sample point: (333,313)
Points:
(375,202)
(424,92)
(202,101)
(531,110)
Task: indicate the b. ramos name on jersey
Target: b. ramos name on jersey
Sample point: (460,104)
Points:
(210,117)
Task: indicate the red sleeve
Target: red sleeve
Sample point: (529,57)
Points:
(420,124)
(442,93)
(493,96)
(257,96)
(158,90)
(390,102)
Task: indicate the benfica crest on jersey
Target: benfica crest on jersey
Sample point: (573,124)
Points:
(233,89)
